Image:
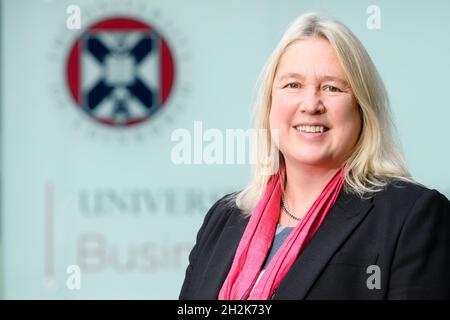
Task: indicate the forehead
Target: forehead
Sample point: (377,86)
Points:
(310,57)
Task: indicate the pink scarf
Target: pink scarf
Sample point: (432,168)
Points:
(257,239)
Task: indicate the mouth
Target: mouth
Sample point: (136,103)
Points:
(311,128)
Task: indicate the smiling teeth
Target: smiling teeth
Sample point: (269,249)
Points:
(310,128)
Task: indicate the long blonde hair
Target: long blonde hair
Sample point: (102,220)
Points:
(376,158)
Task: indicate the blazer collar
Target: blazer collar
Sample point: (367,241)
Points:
(342,219)
(346,214)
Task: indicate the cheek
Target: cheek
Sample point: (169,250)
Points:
(348,118)
(281,110)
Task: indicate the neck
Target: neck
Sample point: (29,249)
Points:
(305,182)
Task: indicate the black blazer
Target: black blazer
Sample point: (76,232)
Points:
(404,230)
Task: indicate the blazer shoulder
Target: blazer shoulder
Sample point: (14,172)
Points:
(407,196)
(421,254)
(226,206)
(403,190)
(222,212)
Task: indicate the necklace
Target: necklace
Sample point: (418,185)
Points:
(283,205)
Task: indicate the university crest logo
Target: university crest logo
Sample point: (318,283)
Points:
(120,71)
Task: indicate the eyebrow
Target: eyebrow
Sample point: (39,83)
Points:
(323,78)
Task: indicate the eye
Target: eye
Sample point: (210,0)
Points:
(332,89)
(293,85)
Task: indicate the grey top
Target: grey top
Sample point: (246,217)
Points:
(281,234)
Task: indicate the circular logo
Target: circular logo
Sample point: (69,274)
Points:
(120,71)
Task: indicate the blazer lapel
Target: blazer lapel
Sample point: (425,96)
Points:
(348,211)
(222,257)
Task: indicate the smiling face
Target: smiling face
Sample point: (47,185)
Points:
(313,106)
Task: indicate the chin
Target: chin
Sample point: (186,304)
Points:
(308,160)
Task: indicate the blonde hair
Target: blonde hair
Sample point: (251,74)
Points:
(376,158)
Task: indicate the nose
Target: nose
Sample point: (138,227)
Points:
(311,102)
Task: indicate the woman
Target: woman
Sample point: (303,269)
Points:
(334,213)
